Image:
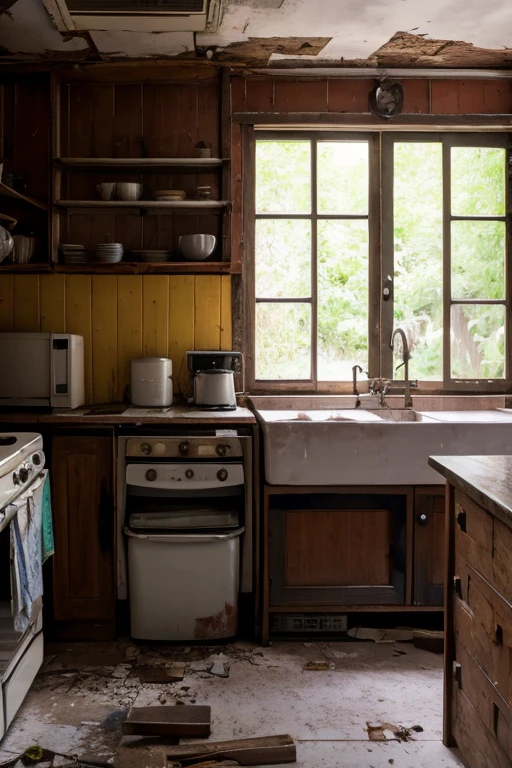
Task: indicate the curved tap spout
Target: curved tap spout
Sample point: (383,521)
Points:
(406,356)
(355,369)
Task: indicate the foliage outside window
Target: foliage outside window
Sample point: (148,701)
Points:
(331,234)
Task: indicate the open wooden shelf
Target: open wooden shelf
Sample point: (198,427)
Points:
(31,267)
(183,164)
(9,192)
(140,268)
(175,205)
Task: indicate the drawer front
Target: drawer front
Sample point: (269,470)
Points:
(478,745)
(483,628)
(502,559)
(493,712)
(473,535)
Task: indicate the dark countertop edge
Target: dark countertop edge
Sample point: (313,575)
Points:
(114,420)
(483,494)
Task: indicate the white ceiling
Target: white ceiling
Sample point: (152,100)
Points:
(357,28)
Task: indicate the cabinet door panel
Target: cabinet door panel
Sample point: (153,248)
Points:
(323,548)
(429,546)
(83,506)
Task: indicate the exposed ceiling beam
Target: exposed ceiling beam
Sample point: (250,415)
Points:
(355,73)
(59,14)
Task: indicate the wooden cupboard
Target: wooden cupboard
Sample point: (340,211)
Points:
(429,545)
(82,475)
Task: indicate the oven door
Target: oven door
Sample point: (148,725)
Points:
(184,497)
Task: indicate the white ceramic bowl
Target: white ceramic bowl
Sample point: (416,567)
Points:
(197,247)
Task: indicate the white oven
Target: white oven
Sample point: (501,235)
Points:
(22,488)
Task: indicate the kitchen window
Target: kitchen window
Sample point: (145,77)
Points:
(355,234)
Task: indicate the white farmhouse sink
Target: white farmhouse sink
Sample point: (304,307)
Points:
(352,446)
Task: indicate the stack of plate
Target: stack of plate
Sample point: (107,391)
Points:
(169,195)
(73,254)
(109,253)
(152,256)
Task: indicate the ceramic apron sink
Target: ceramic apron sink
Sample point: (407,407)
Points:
(376,447)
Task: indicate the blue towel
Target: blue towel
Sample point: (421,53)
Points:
(47,525)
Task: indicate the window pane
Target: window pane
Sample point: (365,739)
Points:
(342,298)
(283,177)
(283,258)
(478,181)
(283,341)
(478,259)
(418,253)
(342,177)
(477,341)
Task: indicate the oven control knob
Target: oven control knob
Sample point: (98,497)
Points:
(184,448)
(23,474)
(36,459)
(16,478)
(151,475)
(221,449)
(222,475)
(145,448)
(189,473)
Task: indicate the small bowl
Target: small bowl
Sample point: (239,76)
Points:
(197,247)
(170,194)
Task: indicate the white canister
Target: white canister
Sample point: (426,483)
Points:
(151,379)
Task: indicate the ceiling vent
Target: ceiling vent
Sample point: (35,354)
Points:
(142,15)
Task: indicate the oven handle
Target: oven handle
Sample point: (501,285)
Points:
(196,538)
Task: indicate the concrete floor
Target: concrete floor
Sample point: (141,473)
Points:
(84,691)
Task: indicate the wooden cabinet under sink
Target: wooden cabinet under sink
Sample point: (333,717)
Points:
(352,549)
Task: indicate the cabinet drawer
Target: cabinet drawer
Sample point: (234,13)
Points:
(473,535)
(483,627)
(502,559)
(492,710)
(477,744)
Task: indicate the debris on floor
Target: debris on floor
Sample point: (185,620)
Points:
(160,674)
(266,750)
(381,635)
(219,666)
(428,640)
(186,721)
(319,666)
(388,732)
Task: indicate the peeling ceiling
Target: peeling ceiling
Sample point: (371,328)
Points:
(279,31)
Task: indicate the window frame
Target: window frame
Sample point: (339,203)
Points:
(380,254)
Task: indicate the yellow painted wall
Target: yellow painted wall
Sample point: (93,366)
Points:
(120,317)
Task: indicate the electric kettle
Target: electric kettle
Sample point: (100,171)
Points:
(213,379)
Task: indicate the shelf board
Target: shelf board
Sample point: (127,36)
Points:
(140,268)
(8,192)
(177,205)
(32,266)
(193,164)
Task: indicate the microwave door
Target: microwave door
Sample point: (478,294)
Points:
(25,376)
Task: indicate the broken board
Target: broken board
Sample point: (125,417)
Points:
(267,750)
(160,674)
(187,720)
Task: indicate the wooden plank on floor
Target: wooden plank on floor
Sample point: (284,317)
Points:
(188,720)
(267,750)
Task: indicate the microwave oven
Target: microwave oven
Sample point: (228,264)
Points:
(42,369)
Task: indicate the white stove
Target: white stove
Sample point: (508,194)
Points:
(22,479)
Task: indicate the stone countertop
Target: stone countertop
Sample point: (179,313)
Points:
(485,479)
(116,415)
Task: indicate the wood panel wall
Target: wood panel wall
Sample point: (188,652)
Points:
(120,317)
(421,96)
(133,120)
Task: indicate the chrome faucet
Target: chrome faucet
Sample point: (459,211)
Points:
(355,369)
(406,356)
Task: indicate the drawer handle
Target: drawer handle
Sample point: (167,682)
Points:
(457,674)
(461,521)
(498,635)
(457,585)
